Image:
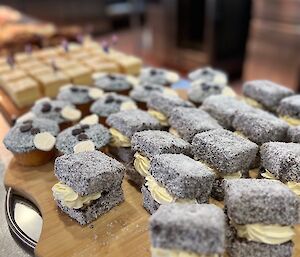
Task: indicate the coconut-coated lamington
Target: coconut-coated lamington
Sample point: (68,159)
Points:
(289,107)
(266,93)
(260,126)
(190,121)
(282,160)
(192,228)
(223,108)
(294,134)
(224,151)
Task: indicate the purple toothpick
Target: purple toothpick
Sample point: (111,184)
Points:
(105,46)
(114,39)
(65,45)
(10,59)
(28,49)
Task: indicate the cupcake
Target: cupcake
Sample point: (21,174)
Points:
(80,96)
(142,93)
(92,133)
(32,141)
(111,103)
(62,112)
(159,76)
(114,82)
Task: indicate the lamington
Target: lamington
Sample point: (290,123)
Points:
(62,112)
(89,185)
(158,76)
(147,144)
(294,134)
(115,82)
(95,135)
(282,161)
(142,93)
(111,103)
(228,154)
(223,108)
(187,122)
(207,74)
(262,214)
(176,178)
(195,230)
(260,126)
(265,94)
(123,125)
(289,110)
(200,90)
(160,106)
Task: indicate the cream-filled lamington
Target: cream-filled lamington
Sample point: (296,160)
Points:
(89,185)
(123,125)
(176,178)
(289,110)
(187,230)
(158,76)
(229,155)
(261,218)
(207,74)
(147,144)
(281,161)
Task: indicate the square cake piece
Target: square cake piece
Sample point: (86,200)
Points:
(282,161)
(261,215)
(81,75)
(187,122)
(289,110)
(260,126)
(89,184)
(223,108)
(265,94)
(187,230)
(147,144)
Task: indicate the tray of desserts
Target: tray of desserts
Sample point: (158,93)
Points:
(131,167)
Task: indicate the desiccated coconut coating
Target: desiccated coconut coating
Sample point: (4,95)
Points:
(294,134)
(134,176)
(75,94)
(109,104)
(290,106)
(51,109)
(266,92)
(152,142)
(132,121)
(260,126)
(89,172)
(19,138)
(190,121)
(224,151)
(149,203)
(182,176)
(113,82)
(223,108)
(68,138)
(166,103)
(263,201)
(208,74)
(198,228)
(156,76)
(106,202)
(282,160)
(143,92)
(122,154)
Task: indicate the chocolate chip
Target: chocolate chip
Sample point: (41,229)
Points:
(25,128)
(109,99)
(205,87)
(35,131)
(46,107)
(205,72)
(118,101)
(77,131)
(57,109)
(85,126)
(27,121)
(153,72)
(82,137)
(112,77)
(148,87)
(74,89)
(84,90)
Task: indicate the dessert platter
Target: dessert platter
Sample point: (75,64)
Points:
(119,163)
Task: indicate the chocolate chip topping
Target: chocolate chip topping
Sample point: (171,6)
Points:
(153,72)
(85,126)
(82,137)
(118,101)
(27,121)
(74,89)
(25,127)
(77,131)
(109,99)
(112,77)
(35,131)
(57,109)
(84,90)
(46,107)
(205,87)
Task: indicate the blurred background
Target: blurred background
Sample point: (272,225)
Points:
(249,39)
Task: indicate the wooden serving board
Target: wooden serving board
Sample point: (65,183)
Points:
(121,232)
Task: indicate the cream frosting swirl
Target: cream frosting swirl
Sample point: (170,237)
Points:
(69,198)
(141,164)
(163,119)
(253,102)
(118,139)
(291,121)
(160,252)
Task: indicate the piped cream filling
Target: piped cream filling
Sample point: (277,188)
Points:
(267,234)
(174,132)
(163,119)
(160,252)
(141,164)
(253,102)
(291,121)
(69,198)
(161,195)
(267,174)
(228,91)
(125,106)
(118,139)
